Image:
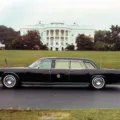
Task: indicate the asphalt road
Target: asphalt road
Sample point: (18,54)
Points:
(60,98)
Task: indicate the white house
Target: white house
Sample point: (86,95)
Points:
(57,35)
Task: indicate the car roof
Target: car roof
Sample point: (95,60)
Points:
(67,58)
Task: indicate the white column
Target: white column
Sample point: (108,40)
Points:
(69,39)
(54,42)
(64,38)
(59,39)
(49,39)
(45,36)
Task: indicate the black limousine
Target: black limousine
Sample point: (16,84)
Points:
(59,71)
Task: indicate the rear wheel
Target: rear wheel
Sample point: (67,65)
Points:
(98,82)
(10,81)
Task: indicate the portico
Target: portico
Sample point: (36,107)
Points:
(58,35)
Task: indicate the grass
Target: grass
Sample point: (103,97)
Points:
(24,58)
(86,114)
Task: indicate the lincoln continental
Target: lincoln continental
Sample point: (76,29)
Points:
(59,71)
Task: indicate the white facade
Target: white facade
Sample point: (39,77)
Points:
(58,35)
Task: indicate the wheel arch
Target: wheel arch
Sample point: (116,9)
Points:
(10,73)
(99,76)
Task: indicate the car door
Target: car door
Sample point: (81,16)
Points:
(43,72)
(78,72)
(60,71)
(39,74)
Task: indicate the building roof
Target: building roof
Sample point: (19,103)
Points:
(58,24)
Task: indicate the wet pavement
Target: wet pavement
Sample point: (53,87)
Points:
(60,98)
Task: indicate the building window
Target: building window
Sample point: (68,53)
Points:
(66,33)
(56,49)
(47,33)
(56,43)
(62,43)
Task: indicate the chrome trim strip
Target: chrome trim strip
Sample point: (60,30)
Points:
(54,83)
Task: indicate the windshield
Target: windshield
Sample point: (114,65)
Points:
(35,64)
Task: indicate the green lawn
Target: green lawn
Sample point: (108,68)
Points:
(86,114)
(24,58)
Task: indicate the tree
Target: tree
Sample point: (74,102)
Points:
(117,45)
(115,35)
(99,36)
(44,47)
(111,37)
(115,30)
(108,38)
(70,47)
(103,36)
(7,34)
(32,40)
(84,42)
(101,46)
(29,41)
(17,43)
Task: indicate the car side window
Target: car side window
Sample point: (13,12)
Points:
(77,65)
(89,65)
(45,64)
(62,64)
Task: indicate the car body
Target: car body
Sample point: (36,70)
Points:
(59,71)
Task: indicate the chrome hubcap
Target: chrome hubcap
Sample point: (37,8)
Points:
(98,82)
(9,81)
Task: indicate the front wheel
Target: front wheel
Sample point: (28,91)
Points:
(10,81)
(98,82)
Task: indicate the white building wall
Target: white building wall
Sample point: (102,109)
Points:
(58,35)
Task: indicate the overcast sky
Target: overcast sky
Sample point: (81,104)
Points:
(100,14)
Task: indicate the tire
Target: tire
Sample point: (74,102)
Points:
(10,81)
(98,83)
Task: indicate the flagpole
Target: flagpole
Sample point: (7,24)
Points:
(6,63)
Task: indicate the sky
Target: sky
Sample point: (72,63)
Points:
(99,14)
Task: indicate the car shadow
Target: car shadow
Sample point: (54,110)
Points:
(64,88)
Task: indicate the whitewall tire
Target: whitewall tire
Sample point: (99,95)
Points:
(10,81)
(98,82)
